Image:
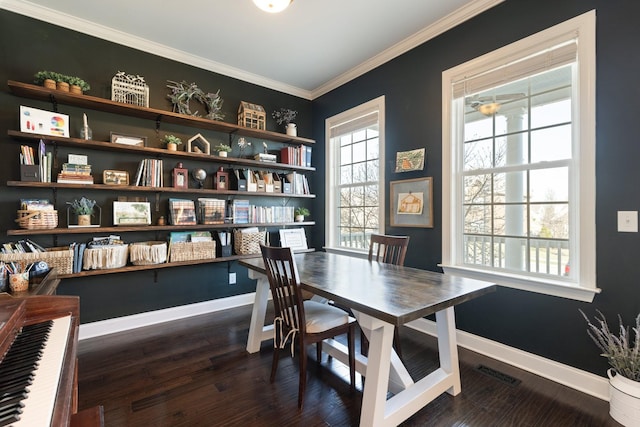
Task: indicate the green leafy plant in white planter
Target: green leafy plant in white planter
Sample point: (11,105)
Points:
(222,149)
(623,354)
(300,212)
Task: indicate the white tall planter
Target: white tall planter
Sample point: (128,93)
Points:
(624,399)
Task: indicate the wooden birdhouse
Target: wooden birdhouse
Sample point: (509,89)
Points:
(252,115)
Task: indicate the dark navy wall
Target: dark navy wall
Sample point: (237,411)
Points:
(547,326)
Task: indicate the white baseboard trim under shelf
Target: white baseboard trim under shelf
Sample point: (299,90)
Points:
(577,379)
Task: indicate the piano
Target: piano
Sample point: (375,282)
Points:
(40,332)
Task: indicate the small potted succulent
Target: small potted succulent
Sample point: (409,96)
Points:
(285,116)
(300,213)
(172,142)
(84,209)
(222,149)
(47,79)
(78,85)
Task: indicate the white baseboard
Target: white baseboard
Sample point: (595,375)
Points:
(119,324)
(577,379)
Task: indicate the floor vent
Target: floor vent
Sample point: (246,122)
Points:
(507,379)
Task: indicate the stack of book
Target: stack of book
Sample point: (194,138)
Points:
(73,173)
(265,157)
(149,173)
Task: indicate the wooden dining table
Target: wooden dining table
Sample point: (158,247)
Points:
(381,297)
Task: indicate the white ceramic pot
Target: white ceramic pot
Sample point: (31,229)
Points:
(222,153)
(624,399)
(292,129)
(299,218)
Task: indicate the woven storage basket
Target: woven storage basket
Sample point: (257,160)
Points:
(59,258)
(190,251)
(114,256)
(247,243)
(148,253)
(37,220)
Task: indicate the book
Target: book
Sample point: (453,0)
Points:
(241,210)
(182,212)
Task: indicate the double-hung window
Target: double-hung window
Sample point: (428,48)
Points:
(355,177)
(519,165)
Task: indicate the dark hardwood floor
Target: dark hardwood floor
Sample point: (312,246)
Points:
(196,372)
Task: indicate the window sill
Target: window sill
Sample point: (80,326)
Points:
(547,287)
(348,252)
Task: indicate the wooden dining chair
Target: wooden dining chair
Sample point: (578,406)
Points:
(304,322)
(389,250)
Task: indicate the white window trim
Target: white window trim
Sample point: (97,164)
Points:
(332,171)
(585,26)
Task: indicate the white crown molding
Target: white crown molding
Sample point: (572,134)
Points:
(73,23)
(450,21)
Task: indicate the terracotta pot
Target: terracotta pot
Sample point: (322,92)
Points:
(84,220)
(49,84)
(172,147)
(75,89)
(63,86)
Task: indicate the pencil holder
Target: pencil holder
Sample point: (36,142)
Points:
(19,282)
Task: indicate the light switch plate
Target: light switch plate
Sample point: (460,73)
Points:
(628,221)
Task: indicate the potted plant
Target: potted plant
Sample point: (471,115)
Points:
(222,149)
(84,209)
(301,212)
(285,116)
(172,142)
(78,85)
(47,79)
(623,354)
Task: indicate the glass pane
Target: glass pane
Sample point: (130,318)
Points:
(512,116)
(345,214)
(371,218)
(477,189)
(373,170)
(359,152)
(477,220)
(345,197)
(359,172)
(551,108)
(371,196)
(360,135)
(510,187)
(357,217)
(511,150)
(550,221)
(345,155)
(549,257)
(357,196)
(551,144)
(373,132)
(549,185)
(512,255)
(373,151)
(510,220)
(345,139)
(478,155)
(345,175)
(477,127)
(477,250)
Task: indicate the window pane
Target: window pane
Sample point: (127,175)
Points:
(551,108)
(551,144)
(478,154)
(373,151)
(477,219)
(510,220)
(345,175)
(359,152)
(477,189)
(477,127)
(549,185)
(373,170)
(357,196)
(511,150)
(360,135)
(510,187)
(359,172)
(345,155)
(550,221)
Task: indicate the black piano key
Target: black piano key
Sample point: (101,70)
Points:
(9,419)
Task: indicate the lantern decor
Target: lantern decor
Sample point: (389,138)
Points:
(129,89)
(222,180)
(252,116)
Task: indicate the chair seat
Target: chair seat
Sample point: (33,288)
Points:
(322,317)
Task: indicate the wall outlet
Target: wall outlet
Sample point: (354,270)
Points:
(232,278)
(628,221)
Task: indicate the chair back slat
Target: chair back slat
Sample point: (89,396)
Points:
(388,249)
(284,283)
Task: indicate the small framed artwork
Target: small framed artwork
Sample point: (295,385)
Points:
(139,141)
(113,177)
(410,160)
(197,144)
(293,238)
(412,203)
(131,213)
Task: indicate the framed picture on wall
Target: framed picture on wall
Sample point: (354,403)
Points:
(411,203)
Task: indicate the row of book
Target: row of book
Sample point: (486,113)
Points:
(243,212)
(149,173)
(298,156)
(30,171)
(270,182)
(219,211)
(21,247)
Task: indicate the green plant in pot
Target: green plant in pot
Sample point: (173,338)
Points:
(623,354)
(171,141)
(222,149)
(78,85)
(46,78)
(300,213)
(84,209)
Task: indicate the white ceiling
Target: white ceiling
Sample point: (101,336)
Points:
(307,50)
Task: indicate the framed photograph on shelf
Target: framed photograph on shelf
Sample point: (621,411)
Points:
(293,238)
(131,213)
(412,203)
(138,141)
(113,177)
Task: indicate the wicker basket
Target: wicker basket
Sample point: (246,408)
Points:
(37,220)
(190,251)
(148,253)
(113,256)
(59,258)
(248,243)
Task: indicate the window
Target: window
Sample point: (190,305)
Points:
(519,163)
(355,176)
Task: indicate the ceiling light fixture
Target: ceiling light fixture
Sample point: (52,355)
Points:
(489,109)
(273,6)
